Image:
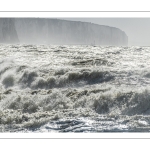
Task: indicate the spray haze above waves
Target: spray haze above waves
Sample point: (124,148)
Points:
(74,88)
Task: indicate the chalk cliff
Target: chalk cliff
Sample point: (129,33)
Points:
(55,31)
(8,32)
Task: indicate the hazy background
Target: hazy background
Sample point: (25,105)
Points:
(137,29)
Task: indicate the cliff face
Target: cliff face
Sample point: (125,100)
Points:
(54,31)
(8,32)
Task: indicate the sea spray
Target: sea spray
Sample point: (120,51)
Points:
(50,88)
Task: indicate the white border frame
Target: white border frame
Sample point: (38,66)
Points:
(71,14)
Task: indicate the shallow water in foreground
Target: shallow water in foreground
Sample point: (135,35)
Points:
(74,88)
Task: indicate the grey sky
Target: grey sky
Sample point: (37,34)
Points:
(137,29)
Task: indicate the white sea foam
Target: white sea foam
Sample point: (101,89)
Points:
(63,88)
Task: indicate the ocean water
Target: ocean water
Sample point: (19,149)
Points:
(74,88)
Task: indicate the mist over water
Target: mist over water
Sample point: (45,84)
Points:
(63,88)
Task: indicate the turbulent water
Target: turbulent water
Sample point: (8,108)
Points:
(49,88)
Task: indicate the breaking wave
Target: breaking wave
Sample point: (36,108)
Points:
(74,89)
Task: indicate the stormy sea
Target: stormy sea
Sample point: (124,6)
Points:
(74,88)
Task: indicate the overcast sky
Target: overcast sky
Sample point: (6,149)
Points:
(137,29)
